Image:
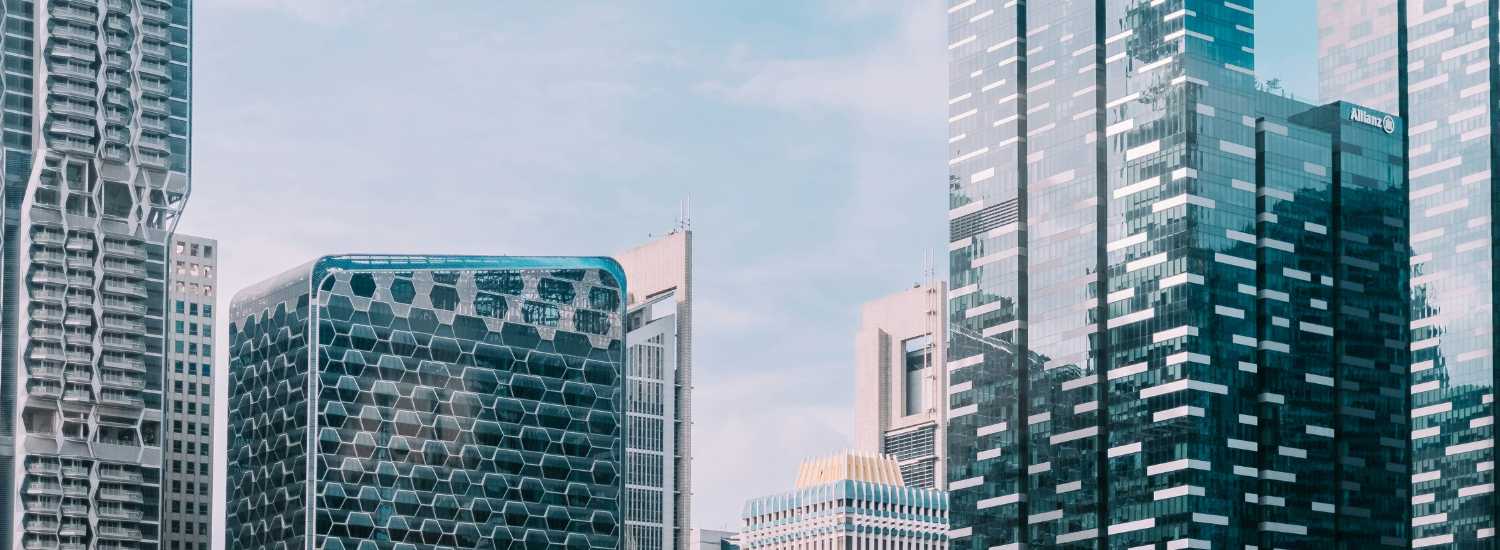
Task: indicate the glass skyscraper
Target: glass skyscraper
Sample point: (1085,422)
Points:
(96,144)
(1434,63)
(1176,317)
(427,402)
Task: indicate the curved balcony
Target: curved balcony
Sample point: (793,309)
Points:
(155,31)
(47,391)
(75,510)
(68,51)
(155,49)
(75,470)
(71,32)
(48,314)
(152,122)
(124,288)
(78,396)
(78,376)
(77,279)
(119,512)
(71,128)
(70,145)
(74,529)
(76,320)
(38,487)
(118,6)
(47,354)
(154,159)
(127,250)
(50,238)
(119,532)
(70,13)
(76,490)
(122,399)
(126,382)
(81,262)
(40,544)
(42,524)
(126,344)
(76,70)
(49,295)
(43,467)
(152,11)
(121,474)
(125,268)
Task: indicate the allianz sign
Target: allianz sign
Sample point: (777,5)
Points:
(1387,123)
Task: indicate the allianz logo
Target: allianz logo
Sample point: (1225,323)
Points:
(1387,123)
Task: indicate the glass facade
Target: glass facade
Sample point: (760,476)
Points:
(427,402)
(651,345)
(95,139)
(1435,62)
(1159,277)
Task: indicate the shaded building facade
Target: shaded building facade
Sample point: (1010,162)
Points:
(431,401)
(1172,320)
(900,385)
(1434,64)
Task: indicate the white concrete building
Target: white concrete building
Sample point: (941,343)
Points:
(900,386)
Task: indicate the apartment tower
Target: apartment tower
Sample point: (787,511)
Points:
(1175,306)
(96,144)
(1434,64)
(659,419)
(900,384)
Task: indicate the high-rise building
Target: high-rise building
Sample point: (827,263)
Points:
(900,383)
(1434,63)
(187,394)
(96,149)
(659,420)
(850,501)
(1176,317)
(427,401)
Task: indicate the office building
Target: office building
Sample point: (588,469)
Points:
(900,385)
(1175,308)
(95,141)
(428,401)
(658,473)
(850,501)
(711,539)
(1433,63)
(187,394)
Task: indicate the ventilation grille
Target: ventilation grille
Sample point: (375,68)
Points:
(987,218)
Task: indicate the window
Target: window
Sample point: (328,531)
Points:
(192,329)
(177,366)
(192,309)
(193,250)
(179,303)
(180,247)
(178,346)
(208,349)
(203,390)
(208,310)
(192,368)
(179,326)
(192,348)
(208,251)
(177,386)
(176,426)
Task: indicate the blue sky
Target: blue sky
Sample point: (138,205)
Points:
(809,134)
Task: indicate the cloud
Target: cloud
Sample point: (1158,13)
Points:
(892,81)
(322,12)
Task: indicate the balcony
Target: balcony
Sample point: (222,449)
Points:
(121,399)
(117,42)
(156,86)
(79,320)
(154,142)
(155,12)
(116,78)
(75,70)
(34,487)
(74,14)
(155,31)
(79,376)
(119,474)
(81,244)
(75,510)
(50,315)
(76,490)
(123,325)
(119,512)
(81,262)
(124,344)
(74,529)
(127,250)
(123,287)
(118,6)
(50,372)
(156,49)
(120,495)
(155,123)
(80,53)
(64,126)
(124,268)
(45,391)
(47,354)
(124,363)
(44,468)
(47,257)
(51,238)
(127,382)
(70,145)
(78,396)
(124,306)
(154,159)
(49,295)
(117,154)
(42,525)
(118,532)
(154,68)
(80,279)
(75,33)
(74,470)
(48,276)
(40,544)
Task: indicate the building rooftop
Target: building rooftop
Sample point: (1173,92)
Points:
(851,466)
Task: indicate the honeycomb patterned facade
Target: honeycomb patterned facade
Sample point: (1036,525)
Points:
(397,402)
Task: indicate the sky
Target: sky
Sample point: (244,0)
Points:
(807,135)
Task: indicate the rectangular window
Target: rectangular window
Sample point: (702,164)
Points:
(193,309)
(208,349)
(208,310)
(192,348)
(179,325)
(178,346)
(192,329)
(177,366)
(179,306)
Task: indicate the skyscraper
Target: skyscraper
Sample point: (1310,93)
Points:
(659,422)
(430,401)
(1175,308)
(1434,64)
(96,150)
(900,384)
(849,501)
(187,394)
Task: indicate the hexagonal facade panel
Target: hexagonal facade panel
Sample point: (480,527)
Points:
(399,402)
